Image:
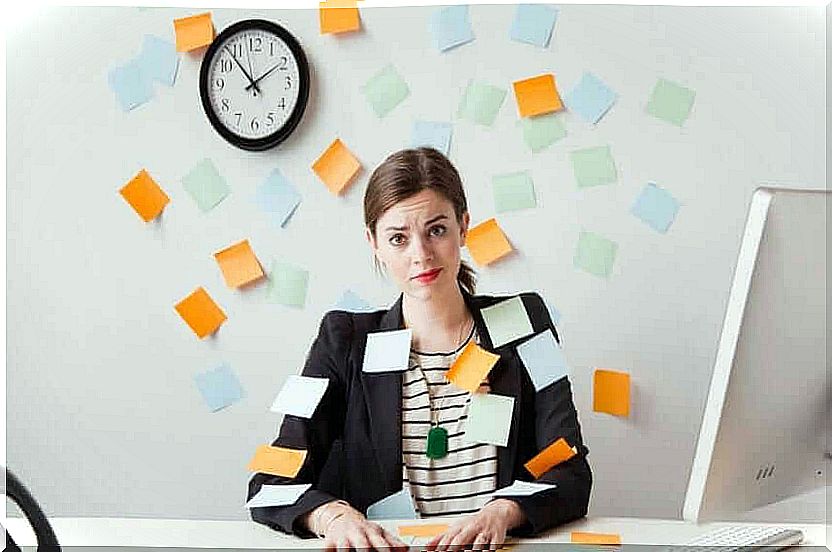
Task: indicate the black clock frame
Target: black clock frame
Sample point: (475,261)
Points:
(272,140)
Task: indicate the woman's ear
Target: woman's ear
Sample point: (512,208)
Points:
(370,239)
(463,229)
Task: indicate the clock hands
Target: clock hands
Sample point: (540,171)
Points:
(240,65)
(261,77)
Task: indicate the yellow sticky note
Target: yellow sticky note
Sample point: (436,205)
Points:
(551,456)
(537,95)
(277,461)
(611,392)
(201,313)
(471,367)
(145,196)
(487,243)
(239,264)
(193,32)
(339,16)
(579,537)
(426,530)
(336,167)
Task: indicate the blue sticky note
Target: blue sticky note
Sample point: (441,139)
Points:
(131,86)
(159,60)
(278,198)
(396,506)
(219,387)
(451,27)
(543,359)
(533,24)
(554,313)
(590,98)
(352,302)
(656,207)
(434,134)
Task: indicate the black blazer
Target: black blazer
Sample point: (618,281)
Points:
(353,440)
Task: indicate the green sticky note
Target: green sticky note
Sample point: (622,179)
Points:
(507,321)
(205,185)
(489,419)
(593,166)
(670,102)
(542,131)
(385,90)
(513,191)
(481,102)
(595,254)
(287,284)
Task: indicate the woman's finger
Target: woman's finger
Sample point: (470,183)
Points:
(463,538)
(445,542)
(394,541)
(481,542)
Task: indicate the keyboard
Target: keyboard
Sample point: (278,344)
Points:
(743,539)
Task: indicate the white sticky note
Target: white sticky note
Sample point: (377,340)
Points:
(300,396)
(523,488)
(543,359)
(277,495)
(387,351)
(507,321)
(396,506)
(489,419)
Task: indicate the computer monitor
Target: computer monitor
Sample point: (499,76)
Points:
(765,432)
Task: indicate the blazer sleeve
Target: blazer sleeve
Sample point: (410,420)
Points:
(316,435)
(555,417)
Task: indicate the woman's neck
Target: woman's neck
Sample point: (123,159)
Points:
(437,322)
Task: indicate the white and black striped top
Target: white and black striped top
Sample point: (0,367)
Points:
(462,481)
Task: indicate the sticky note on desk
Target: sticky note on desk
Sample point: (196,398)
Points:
(507,321)
(338,16)
(590,98)
(277,461)
(200,312)
(205,185)
(656,207)
(158,59)
(611,392)
(387,351)
(422,531)
(145,196)
(595,254)
(537,95)
(300,396)
(523,488)
(288,284)
(480,103)
(219,387)
(277,197)
(542,131)
(385,90)
(670,102)
(336,167)
(130,84)
(533,24)
(581,537)
(486,242)
(489,419)
(554,454)
(471,367)
(239,265)
(193,32)
(513,191)
(433,134)
(277,495)
(396,506)
(593,166)
(451,27)
(543,359)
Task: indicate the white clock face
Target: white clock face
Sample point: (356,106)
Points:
(253,83)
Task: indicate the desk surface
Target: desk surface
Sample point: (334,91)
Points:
(247,534)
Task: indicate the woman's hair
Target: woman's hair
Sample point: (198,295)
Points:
(407,172)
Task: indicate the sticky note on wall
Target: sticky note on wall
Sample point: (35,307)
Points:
(336,167)
(481,102)
(611,392)
(193,32)
(556,453)
(219,387)
(385,90)
(277,461)
(595,254)
(670,102)
(338,16)
(471,367)
(537,95)
(533,24)
(239,265)
(486,242)
(145,196)
(200,312)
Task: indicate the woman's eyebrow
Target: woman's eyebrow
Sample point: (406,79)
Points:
(431,221)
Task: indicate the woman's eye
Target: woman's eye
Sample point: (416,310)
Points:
(437,230)
(397,239)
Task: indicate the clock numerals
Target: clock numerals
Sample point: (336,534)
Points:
(255,124)
(282,103)
(270,118)
(288,82)
(255,44)
(219,83)
(226,65)
(239,117)
(226,105)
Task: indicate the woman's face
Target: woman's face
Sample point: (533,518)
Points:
(418,242)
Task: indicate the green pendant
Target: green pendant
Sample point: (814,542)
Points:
(437,442)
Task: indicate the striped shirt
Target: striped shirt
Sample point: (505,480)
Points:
(463,480)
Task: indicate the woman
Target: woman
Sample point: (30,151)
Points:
(376,433)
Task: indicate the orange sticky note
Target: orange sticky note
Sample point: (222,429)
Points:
(336,167)
(339,16)
(580,537)
(426,530)
(145,196)
(487,243)
(201,313)
(551,456)
(193,32)
(239,264)
(537,95)
(611,392)
(471,367)
(277,461)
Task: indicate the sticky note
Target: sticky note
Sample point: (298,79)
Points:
(451,27)
(533,24)
(554,313)
(523,488)
(424,530)
(352,302)
(595,254)
(277,461)
(145,196)
(611,392)
(489,419)
(554,454)
(436,135)
(670,102)
(387,351)
(200,312)
(205,185)
(336,166)
(130,85)
(193,32)
(581,537)
(590,98)
(219,387)
(542,131)
(471,367)
(593,166)
(480,103)
(239,265)
(338,16)
(396,506)
(385,90)
(507,321)
(159,60)
(288,284)
(277,197)
(487,243)
(543,359)
(300,396)
(277,495)
(656,207)
(513,191)
(537,95)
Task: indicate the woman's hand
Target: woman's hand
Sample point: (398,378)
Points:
(353,530)
(485,530)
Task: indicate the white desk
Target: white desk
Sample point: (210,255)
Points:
(247,534)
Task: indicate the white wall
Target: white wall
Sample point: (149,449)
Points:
(103,415)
